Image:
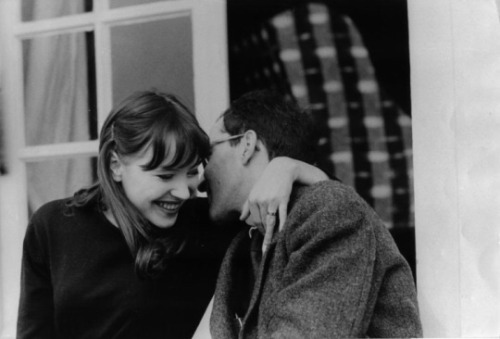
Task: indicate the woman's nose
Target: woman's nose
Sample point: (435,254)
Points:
(183,190)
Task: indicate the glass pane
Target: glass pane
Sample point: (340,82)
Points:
(59,84)
(155,54)
(32,10)
(57,179)
(123,3)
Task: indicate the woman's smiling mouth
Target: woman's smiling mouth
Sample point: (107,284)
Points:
(169,206)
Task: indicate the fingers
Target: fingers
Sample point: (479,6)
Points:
(282,215)
(263,208)
(251,214)
(245,212)
(263,215)
(257,216)
(270,226)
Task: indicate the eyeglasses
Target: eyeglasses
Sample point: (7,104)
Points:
(221,140)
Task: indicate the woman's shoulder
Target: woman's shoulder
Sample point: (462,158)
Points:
(60,211)
(52,208)
(46,219)
(61,224)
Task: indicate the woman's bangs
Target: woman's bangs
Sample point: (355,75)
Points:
(189,146)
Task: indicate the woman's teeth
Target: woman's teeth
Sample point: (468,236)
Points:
(168,205)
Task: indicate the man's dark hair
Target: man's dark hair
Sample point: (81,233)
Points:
(284,128)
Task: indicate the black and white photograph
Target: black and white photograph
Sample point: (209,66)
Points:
(219,169)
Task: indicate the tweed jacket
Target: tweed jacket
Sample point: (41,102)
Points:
(333,272)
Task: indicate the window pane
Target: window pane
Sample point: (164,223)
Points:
(59,83)
(33,10)
(153,54)
(123,3)
(57,179)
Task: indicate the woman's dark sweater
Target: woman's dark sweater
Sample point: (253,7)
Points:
(78,278)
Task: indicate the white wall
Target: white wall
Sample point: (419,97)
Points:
(455,70)
(12,224)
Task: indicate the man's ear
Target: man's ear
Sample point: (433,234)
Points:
(249,141)
(115,166)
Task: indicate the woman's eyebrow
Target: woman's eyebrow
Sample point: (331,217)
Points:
(176,168)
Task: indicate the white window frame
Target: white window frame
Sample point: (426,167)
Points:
(211,94)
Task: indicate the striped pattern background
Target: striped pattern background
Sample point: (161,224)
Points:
(318,57)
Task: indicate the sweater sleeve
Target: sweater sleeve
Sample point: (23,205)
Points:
(36,308)
(326,282)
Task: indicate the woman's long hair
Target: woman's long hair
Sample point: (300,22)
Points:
(145,120)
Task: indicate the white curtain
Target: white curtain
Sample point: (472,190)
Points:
(56,102)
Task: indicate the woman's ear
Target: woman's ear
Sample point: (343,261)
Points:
(115,165)
(249,141)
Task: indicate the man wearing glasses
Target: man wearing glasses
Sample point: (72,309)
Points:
(333,271)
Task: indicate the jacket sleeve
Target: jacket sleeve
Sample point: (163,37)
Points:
(327,279)
(36,308)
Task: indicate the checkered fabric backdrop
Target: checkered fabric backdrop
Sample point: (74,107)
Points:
(317,56)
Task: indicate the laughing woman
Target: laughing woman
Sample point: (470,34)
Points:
(135,255)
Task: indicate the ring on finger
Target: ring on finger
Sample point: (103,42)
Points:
(272,214)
